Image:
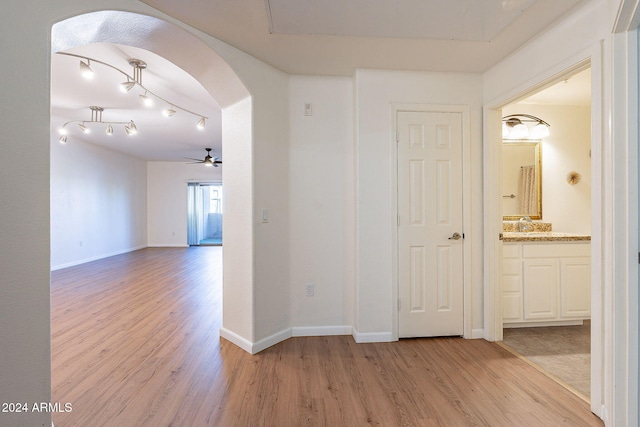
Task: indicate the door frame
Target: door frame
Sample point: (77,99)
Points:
(466,206)
(601,259)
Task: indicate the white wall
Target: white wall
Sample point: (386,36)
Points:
(167,199)
(375,93)
(321,202)
(25,361)
(98,203)
(567,149)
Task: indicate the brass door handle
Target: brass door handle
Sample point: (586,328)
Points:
(456,236)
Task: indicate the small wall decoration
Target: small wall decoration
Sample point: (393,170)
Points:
(573,178)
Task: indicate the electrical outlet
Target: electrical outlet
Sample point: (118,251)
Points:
(309,290)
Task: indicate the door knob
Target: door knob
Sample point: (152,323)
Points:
(456,236)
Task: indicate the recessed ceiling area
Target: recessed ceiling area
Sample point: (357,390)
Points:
(335,37)
(470,20)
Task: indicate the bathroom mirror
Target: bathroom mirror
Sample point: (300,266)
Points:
(521,179)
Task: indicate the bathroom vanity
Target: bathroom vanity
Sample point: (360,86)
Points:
(546,279)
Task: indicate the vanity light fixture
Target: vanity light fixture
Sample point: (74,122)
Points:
(147,96)
(515,126)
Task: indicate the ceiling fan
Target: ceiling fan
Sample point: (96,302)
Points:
(208,160)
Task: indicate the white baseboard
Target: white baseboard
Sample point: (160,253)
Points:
(168,245)
(270,340)
(364,337)
(236,339)
(95,258)
(477,333)
(320,331)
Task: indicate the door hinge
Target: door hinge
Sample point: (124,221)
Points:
(501,236)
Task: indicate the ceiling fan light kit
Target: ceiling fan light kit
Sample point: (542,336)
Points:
(148,97)
(208,160)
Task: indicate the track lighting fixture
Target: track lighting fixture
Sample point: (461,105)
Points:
(515,126)
(96,117)
(147,96)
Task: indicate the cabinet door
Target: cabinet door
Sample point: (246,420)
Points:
(511,290)
(540,289)
(575,279)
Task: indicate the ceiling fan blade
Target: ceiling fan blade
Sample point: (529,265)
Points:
(189,158)
(194,163)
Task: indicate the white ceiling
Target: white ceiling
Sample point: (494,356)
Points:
(574,90)
(328,37)
(334,37)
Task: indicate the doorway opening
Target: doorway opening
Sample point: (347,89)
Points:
(546,262)
(204,214)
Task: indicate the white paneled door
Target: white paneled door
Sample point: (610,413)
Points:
(430,235)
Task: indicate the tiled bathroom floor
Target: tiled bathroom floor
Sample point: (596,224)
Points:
(562,351)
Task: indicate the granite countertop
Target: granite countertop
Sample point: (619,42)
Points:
(545,236)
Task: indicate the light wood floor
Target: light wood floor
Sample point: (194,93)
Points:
(135,343)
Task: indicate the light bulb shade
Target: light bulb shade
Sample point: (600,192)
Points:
(540,131)
(62,131)
(63,139)
(201,123)
(127,86)
(168,112)
(505,131)
(132,129)
(109,130)
(148,102)
(83,128)
(86,70)
(520,131)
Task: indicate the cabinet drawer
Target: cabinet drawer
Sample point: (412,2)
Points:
(511,250)
(556,250)
(511,267)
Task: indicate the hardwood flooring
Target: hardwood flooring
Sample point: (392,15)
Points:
(135,343)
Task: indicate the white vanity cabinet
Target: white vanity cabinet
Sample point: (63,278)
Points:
(546,282)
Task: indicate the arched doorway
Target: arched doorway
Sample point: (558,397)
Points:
(201,61)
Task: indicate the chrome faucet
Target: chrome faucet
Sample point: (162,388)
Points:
(525,224)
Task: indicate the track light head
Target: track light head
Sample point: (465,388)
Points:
(127,86)
(131,128)
(148,102)
(109,130)
(168,112)
(83,128)
(85,69)
(63,139)
(201,123)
